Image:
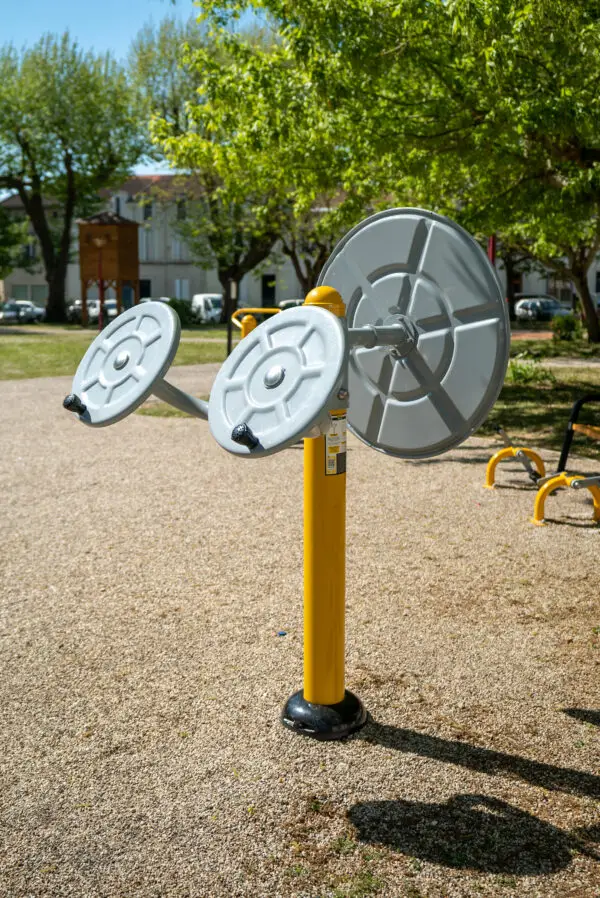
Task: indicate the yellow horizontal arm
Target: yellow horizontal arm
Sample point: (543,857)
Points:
(588,430)
(239,313)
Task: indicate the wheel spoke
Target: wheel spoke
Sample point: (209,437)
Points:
(148,339)
(311,370)
(138,372)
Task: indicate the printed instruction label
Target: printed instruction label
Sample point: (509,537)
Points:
(335,445)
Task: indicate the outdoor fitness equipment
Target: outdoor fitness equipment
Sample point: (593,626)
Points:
(407,337)
(546,485)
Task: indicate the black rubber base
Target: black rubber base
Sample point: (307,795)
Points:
(324,721)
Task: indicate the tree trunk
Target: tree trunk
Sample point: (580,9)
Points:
(226,277)
(590,315)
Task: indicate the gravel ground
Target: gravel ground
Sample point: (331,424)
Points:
(145,575)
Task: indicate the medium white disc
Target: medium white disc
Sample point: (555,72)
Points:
(278,380)
(121,365)
(426,268)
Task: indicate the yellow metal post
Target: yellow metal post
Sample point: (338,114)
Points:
(324,557)
(248,323)
(324,709)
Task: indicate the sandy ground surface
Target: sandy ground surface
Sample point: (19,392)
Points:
(145,575)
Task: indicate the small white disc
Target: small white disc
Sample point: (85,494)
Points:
(119,369)
(423,268)
(278,380)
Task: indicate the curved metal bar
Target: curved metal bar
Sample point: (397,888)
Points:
(183,401)
(575,481)
(511,452)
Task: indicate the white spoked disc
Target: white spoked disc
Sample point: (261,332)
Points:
(278,381)
(121,365)
(424,267)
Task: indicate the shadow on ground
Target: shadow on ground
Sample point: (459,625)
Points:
(469,831)
(584,714)
(484,760)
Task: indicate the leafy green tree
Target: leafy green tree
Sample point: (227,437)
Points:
(242,144)
(68,127)
(224,231)
(491,107)
(165,83)
(13,236)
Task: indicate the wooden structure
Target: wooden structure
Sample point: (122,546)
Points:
(108,256)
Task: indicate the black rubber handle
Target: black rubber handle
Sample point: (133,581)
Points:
(74,404)
(243,435)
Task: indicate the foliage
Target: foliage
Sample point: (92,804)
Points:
(566,327)
(164,83)
(536,414)
(68,128)
(487,111)
(13,235)
(240,150)
(528,371)
(184,311)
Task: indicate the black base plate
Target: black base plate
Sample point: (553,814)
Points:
(324,721)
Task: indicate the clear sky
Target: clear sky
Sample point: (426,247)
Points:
(96,24)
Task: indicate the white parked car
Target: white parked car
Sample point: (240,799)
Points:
(207,307)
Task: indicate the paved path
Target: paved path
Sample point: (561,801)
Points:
(144,577)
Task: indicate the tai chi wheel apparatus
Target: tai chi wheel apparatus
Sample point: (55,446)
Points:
(407,336)
(126,363)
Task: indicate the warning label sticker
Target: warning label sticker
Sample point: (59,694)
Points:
(335,445)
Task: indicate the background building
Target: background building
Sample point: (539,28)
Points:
(166,268)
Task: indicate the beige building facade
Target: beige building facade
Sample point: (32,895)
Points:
(166,267)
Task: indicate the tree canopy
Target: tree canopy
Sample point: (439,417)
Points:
(487,110)
(68,128)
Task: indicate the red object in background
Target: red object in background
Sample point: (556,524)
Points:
(100,291)
(492,249)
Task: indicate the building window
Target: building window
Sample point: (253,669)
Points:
(182,288)
(181,210)
(39,294)
(176,249)
(146,245)
(147,211)
(118,205)
(145,288)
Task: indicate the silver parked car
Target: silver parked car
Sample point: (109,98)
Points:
(11,313)
(31,313)
(539,308)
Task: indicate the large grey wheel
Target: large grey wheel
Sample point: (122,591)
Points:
(425,268)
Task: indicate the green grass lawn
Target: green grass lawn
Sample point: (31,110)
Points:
(536,413)
(48,355)
(533,348)
(533,412)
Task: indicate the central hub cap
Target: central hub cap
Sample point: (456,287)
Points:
(274,377)
(121,360)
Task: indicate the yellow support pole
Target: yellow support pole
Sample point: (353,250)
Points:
(248,323)
(324,555)
(324,708)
